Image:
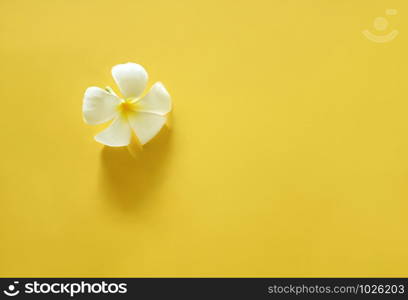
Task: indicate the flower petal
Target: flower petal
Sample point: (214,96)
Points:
(146,125)
(118,134)
(131,79)
(99,106)
(157,100)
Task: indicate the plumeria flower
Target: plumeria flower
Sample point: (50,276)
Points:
(144,116)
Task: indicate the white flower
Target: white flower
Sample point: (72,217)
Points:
(144,116)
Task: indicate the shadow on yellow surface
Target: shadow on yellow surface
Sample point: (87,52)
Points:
(128,178)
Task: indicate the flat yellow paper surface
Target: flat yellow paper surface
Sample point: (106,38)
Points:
(287,156)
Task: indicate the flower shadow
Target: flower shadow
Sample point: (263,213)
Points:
(128,179)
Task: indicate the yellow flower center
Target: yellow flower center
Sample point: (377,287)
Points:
(127,106)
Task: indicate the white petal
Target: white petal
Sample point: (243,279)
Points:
(131,79)
(99,106)
(117,134)
(146,125)
(157,100)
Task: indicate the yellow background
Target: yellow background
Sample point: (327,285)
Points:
(288,154)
